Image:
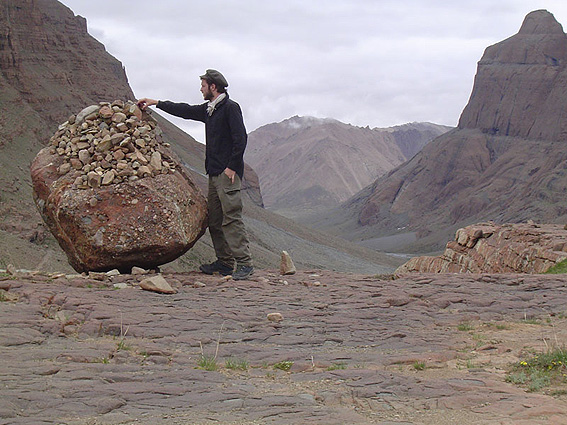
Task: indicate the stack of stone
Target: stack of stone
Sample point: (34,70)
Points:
(108,144)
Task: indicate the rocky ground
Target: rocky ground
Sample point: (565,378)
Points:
(344,349)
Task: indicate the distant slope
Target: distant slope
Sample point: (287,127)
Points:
(507,160)
(305,163)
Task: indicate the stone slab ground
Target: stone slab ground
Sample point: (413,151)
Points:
(360,349)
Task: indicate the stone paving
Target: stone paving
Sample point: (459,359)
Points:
(349,349)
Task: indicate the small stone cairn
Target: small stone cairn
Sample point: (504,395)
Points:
(109,143)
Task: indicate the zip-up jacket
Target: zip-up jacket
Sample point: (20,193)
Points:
(224,131)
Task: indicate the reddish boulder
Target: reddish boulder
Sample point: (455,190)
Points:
(116,213)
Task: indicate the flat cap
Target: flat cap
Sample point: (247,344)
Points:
(216,77)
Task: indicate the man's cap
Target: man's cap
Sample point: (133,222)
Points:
(216,77)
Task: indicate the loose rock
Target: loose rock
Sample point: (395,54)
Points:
(275,317)
(286,264)
(157,284)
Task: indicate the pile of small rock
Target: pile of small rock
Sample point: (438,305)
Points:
(109,143)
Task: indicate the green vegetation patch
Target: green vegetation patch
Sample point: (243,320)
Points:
(465,327)
(540,370)
(236,364)
(558,268)
(417,365)
(285,365)
(208,363)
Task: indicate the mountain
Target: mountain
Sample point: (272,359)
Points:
(505,162)
(51,68)
(306,163)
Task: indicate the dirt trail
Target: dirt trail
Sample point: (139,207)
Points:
(360,349)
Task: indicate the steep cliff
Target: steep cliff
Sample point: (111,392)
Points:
(521,84)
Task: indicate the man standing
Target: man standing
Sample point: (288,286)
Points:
(224,162)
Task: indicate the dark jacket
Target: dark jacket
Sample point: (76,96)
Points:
(224,130)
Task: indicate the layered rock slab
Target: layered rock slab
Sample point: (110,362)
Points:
(114,195)
(491,248)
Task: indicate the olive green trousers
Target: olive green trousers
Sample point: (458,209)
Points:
(225,221)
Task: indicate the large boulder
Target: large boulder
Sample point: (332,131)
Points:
(113,194)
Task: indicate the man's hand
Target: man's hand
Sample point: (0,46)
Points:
(145,102)
(230,174)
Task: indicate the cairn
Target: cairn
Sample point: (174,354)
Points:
(109,143)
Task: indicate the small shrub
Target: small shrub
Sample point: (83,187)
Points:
(285,365)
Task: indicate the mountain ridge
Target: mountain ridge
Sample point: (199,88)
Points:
(308,163)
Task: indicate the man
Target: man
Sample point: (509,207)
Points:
(224,162)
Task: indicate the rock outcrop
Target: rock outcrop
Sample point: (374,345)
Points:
(491,248)
(114,195)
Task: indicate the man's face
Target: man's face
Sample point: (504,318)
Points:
(206,90)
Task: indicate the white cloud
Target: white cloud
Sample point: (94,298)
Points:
(360,61)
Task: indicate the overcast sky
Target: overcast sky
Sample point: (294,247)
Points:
(365,62)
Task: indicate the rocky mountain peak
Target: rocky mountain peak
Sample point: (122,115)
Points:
(520,85)
(540,22)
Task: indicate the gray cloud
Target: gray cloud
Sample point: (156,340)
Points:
(365,62)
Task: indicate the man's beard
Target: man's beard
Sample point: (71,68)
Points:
(208,95)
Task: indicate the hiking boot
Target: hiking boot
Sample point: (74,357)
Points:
(243,272)
(216,267)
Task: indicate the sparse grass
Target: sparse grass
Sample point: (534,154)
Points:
(210,362)
(417,365)
(207,363)
(465,327)
(285,365)
(558,268)
(502,326)
(2,295)
(540,370)
(123,346)
(337,366)
(480,339)
(236,364)
(531,321)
